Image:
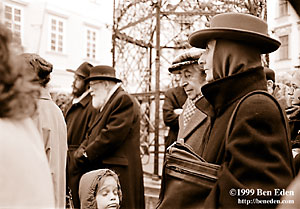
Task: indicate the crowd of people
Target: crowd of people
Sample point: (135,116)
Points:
(81,154)
(228,109)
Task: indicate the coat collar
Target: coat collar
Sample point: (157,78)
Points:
(83,102)
(82,99)
(225,91)
(193,123)
(44,94)
(108,103)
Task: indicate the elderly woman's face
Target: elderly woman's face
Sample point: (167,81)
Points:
(192,79)
(206,60)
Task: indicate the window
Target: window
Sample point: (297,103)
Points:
(91,38)
(57,34)
(283,8)
(13,20)
(284,48)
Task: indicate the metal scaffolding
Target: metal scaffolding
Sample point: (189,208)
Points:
(147,35)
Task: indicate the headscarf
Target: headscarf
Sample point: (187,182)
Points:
(232,57)
(89,185)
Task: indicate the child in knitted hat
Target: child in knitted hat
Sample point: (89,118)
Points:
(100,189)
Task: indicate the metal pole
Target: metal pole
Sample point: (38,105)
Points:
(265,18)
(157,89)
(114,34)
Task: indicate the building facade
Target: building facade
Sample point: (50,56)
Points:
(64,32)
(284,24)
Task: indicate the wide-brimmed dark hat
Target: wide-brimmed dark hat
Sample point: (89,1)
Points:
(103,72)
(186,58)
(270,74)
(83,70)
(238,27)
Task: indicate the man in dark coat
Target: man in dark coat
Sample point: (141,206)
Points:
(79,115)
(192,125)
(174,99)
(113,141)
(257,153)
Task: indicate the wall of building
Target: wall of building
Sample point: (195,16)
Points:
(280,26)
(77,16)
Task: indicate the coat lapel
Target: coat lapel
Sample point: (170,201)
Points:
(194,122)
(107,104)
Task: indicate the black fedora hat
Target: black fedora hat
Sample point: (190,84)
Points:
(103,72)
(239,27)
(270,74)
(83,70)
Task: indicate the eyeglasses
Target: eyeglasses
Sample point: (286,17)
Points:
(92,83)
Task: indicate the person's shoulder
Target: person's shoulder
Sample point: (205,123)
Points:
(260,103)
(175,89)
(123,97)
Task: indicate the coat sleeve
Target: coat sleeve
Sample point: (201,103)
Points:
(257,158)
(118,125)
(169,116)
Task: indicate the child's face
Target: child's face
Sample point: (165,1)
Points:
(107,196)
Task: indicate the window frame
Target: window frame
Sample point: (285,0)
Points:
(284,48)
(90,42)
(283,8)
(57,33)
(13,21)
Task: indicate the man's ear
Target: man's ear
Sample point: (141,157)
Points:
(107,84)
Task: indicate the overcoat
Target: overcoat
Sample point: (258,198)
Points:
(113,142)
(51,125)
(176,194)
(174,99)
(79,117)
(257,154)
(194,131)
(25,175)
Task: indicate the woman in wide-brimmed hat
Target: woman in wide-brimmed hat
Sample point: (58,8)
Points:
(257,153)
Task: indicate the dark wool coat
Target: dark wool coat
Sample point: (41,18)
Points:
(194,130)
(174,99)
(114,143)
(186,194)
(79,117)
(257,154)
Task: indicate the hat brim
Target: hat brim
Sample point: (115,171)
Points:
(177,67)
(70,70)
(102,78)
(75,72)
(264,43)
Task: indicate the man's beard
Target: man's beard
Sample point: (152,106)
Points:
(97,102)
(78,92)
